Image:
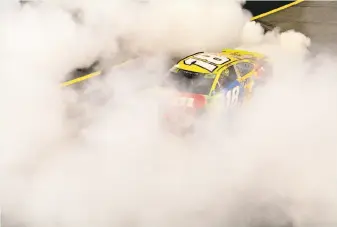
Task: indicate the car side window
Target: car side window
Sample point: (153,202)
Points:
(244,68)
(228,76)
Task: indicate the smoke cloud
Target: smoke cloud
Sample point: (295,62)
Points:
(98,156)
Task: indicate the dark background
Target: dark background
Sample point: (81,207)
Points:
(259,7)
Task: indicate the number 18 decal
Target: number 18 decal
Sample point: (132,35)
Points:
(232,96)
(210,62)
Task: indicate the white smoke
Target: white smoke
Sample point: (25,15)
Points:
(110,164)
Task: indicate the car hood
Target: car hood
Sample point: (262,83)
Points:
(184,109)
(190,100)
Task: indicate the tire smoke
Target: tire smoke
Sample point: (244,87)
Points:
(98,156)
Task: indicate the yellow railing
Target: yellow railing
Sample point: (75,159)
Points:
(80,79)
(277,9)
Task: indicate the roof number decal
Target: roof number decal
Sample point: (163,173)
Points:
(207,61)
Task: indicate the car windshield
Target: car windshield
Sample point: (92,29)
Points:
(192,82)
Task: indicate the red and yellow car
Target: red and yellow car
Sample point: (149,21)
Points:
(204,79)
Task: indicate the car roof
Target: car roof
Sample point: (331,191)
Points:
(232,55)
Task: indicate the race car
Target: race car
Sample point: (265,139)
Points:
(204,80)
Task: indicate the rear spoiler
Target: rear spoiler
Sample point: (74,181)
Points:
(244,54)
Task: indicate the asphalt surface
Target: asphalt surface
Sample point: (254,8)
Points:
(316,19)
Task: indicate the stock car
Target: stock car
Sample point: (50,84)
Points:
(206,79)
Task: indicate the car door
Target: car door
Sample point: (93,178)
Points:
(246,71)
(230,85)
